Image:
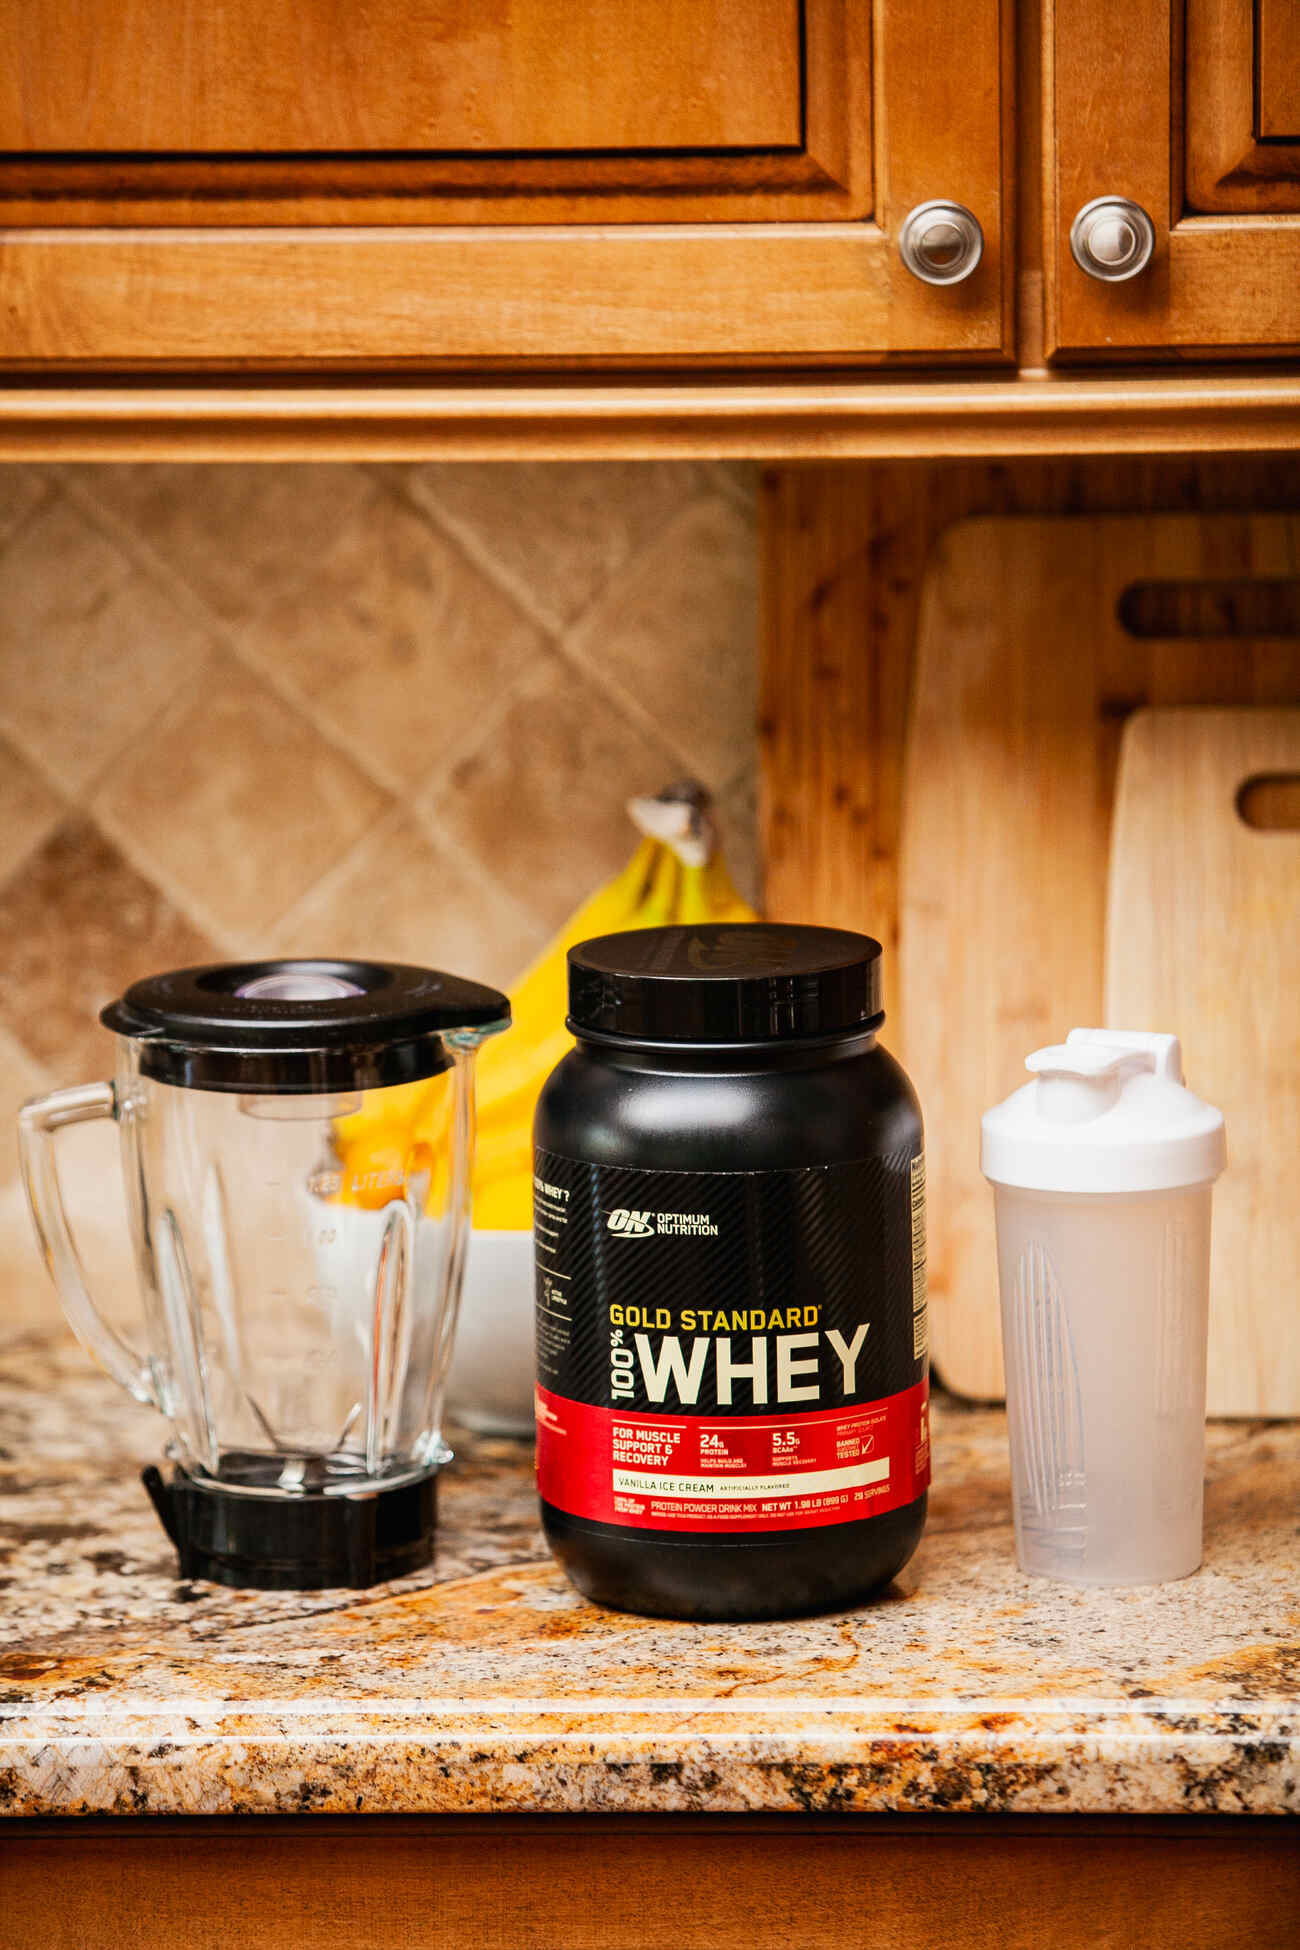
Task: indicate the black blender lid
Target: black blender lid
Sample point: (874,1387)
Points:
(300,1026)
(731,982)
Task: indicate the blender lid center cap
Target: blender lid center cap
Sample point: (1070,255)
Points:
(291,986)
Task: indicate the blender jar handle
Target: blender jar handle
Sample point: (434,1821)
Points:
(38,1124)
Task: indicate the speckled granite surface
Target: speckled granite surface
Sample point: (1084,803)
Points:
(488,1684)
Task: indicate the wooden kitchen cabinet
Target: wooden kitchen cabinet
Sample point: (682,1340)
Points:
(1191,110)
(262,183)
(677,187)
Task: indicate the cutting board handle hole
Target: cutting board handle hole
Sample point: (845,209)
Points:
(1269,802)
(1237,607)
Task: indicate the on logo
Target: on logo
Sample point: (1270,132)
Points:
(632,1224)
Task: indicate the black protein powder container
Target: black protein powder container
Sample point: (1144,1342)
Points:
(729,1198)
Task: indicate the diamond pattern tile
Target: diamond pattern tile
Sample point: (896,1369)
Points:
(21,1077)
(539,804)
(239,535)
(737,816)
(678,633)
(21,489)
(396,710)
(357,605)
(402,895)
(29,808)
(90,649)
(238,798)
(556,532)
(395,638)
(79,923)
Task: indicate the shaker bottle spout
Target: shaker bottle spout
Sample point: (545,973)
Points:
(1082,1077)
(1164,1051)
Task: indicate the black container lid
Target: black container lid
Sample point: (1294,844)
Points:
(300,1027)
(730,982)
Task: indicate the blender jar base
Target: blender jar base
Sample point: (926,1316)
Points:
(295,1543)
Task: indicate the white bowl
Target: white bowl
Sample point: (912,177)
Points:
(492,1369)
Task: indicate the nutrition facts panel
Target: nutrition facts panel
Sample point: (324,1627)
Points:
(554,1320)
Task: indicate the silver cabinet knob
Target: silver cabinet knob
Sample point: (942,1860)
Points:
(1112,238)
(940,243)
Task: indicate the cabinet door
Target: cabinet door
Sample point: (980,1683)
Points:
(1192,112)
(415,181)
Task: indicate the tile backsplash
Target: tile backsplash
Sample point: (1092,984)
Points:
(285,709)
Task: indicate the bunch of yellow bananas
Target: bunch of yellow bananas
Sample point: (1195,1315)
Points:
(677,874)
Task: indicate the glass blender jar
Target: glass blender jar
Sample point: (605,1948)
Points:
(296,1140)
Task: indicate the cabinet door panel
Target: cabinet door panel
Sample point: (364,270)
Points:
(1243,106)
(434,111)
(725,180)
(213,76)
(1135,108)
(1278,59)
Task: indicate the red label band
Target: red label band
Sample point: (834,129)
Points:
(733,1472)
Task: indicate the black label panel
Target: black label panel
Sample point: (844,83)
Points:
(684,1258)
(731,1351)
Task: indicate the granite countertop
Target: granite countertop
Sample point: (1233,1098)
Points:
(488,1684)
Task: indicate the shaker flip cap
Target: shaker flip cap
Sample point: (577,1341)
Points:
(1107,1111)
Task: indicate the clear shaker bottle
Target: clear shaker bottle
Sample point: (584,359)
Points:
(1103,1168)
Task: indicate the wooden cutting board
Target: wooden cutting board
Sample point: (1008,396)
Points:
(1203,936)
(1025,675)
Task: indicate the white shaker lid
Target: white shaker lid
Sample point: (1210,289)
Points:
(1107,1111)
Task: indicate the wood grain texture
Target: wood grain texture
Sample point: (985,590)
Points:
(223,76)
(844,553)
(1232,282)
(1270,802)
(1222,283)
(1232,82)
(1024,677)
(629,292)
(499,1883)
(946,128)
(416,111)
(606,121)
(1278,63)
(485,244)
(1107,132)
(661,417)
(1203,936)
